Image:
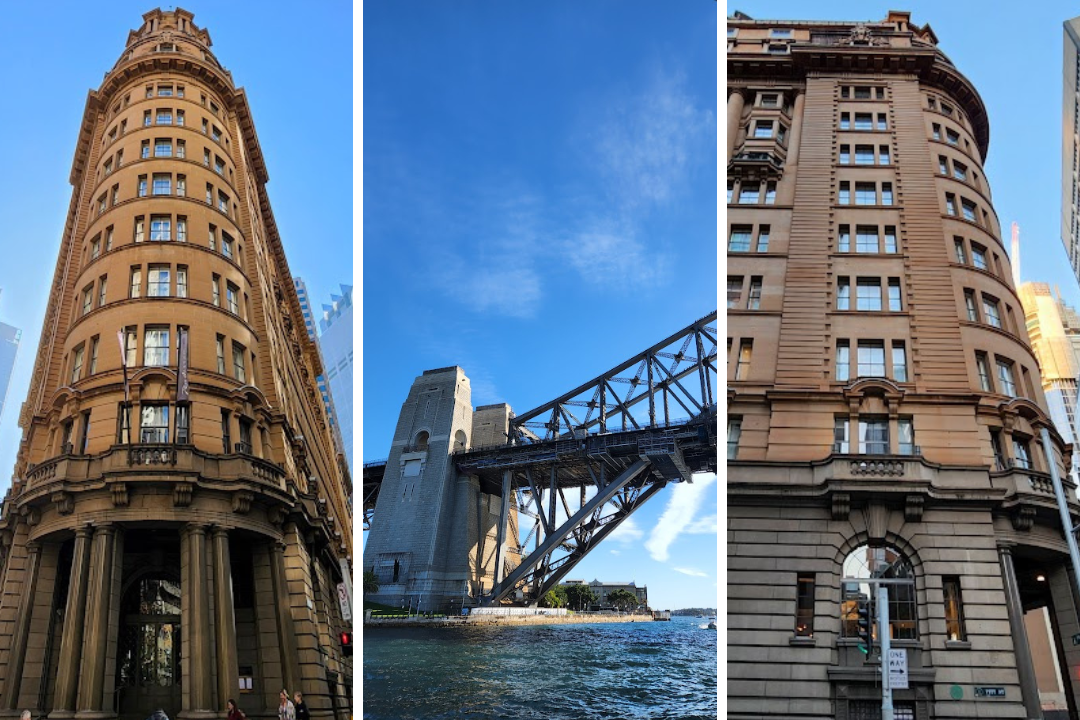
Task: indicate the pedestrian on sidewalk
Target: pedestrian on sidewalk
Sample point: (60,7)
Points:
(286,711)
(301,707)
(235,713)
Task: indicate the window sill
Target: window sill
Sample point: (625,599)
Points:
(798,641)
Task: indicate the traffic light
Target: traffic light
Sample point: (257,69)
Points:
(346,643)
(866,625)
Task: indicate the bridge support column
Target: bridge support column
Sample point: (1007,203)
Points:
(504,518)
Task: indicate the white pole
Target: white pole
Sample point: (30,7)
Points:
(885,643)
(1063,507)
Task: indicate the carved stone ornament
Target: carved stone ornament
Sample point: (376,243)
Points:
(31,515)
(119,494)
(276,515)
(65,502)
(862,35)
(841,506)
(913,508)
(1023,517)
(877,522)
(881,468)
(182,493)
(241,501)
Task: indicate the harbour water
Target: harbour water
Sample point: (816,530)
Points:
(552,672)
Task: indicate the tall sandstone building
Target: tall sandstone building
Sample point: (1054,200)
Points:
(885,406)
(178,519)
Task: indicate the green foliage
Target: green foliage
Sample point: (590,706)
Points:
(623,599)
(554,598)
(579,597)
(371,583)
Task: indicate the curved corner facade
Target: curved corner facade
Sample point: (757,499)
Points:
(179,521)
(885,410)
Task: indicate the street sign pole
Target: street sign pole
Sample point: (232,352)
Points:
(885,645)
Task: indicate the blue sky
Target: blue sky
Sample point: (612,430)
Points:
(297,71)
(539,205)
(1013,56)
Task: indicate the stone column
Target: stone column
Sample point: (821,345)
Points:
(735,105)
(290,660)
(1029,688)
(195,604)
(99,594)
(795,136)
(71,644)
(22,628)
(228,673)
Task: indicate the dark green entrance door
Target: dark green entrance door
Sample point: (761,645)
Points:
(149,649)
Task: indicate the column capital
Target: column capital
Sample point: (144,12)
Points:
(84,531)
(1005,547)
(219,531)
(195,528)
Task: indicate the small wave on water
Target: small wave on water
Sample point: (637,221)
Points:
(557,672)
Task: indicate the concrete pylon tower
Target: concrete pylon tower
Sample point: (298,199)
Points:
(431,542)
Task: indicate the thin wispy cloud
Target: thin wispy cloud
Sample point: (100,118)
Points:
(679,514)
(702,526)
(611,259)
(627,532)
(692,572)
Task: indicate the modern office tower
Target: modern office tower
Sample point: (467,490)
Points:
(178,525)
(305,308)
(885,409)
(9,350)
(1070,144)
(336,343)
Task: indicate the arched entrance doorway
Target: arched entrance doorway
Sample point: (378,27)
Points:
(148,665)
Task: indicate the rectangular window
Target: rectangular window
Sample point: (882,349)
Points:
(843,293)
(886,193)
(181,281)
(180,118)
(145,149)
(162,184)
(843,360)
(215,133)
(103,283)
(162,147)
(865,193)
(983,366)
(845,193)
(936,131)
(770,100)
(76,364)
(754,300)
(209,194)
(968,209)
(160,228)
(952,137)
(899,361)
(221,354)
(950,204)
(954,609)
(862,93)
(882,122)
(136,282)
(970,305)
(164,91)
(181,228)
(905,431)
(845,154)
(841,439)
(959,171)
(139,230)
(978,256)
(991,311)
(734,432)
(223,202)
(742,366)
(219,165)
(845,121)
(131,341)
(215,285)
(883,155)
(164,117)
(999,453)
(232,298)
(868,294)
(156,345)
(181,149)
(770,193)
(87,298)
(115,197)
(943,165)
(763,239)
(95,248)
(146,119)
(1021,452)
(958,243)
(864,121)
(873,436)
(871,358)
(157,281)
(154,424)
(734,291)
(93,355)
(102,203)
(181,185)
(740,239)
(843,239)
(763,129)
(804,605)
(890,239)
(895,304)
(226,244)
(864,154)
(238,362)
(749,194)
(1005,378)
(866,239)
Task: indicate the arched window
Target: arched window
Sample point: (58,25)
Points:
(459,440)
(880,562)
(421,441)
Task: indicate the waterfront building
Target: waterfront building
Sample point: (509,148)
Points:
(336,343)
(885,408)
(10,337)
(604,588)
(178,524)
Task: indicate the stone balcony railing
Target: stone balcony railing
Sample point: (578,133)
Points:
(131,461)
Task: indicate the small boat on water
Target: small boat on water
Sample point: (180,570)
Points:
(712,623)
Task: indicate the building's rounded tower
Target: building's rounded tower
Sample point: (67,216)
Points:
(885,412)
(178,523)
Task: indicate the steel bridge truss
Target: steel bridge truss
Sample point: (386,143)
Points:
(581,464)
(675,379)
